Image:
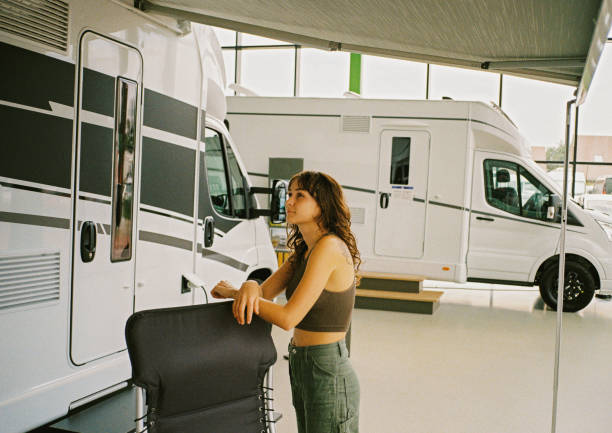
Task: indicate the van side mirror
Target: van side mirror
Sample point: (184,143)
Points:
(550,213)
(277,204)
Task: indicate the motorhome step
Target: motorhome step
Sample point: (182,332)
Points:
(391,282)
(425,302)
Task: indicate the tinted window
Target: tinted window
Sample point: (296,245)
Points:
(123,169)
(535,197)
(237,185)
(215,173)
(608,186)
(400,160)
(501,188)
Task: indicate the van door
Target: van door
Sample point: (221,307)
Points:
(223,200)
(110,85)
(402,193)
(509,231)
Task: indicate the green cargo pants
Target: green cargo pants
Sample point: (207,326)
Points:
(324,388)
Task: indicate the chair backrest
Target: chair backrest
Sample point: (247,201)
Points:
(202,371)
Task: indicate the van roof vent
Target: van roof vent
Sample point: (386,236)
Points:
(29,279)
(356,124)
(42,21)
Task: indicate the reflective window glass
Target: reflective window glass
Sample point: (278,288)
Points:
(215,173)
(463,84)
(323,74)
(535,197)
(392,78)
(226,37)
(400,160)
(501,188)
(237,185)
(123,169)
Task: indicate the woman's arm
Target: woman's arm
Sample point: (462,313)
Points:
(277,282)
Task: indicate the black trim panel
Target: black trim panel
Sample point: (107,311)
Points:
(95,200)
(250,173)
(507,282)
(98,92)
(165,240)
(33,79)
(452,206)
(96,159)
(286,114)
(168,176)
(169,114)
(226,260)
(35,220)
(35,189)
(36,147)
(354,188)
(166,215)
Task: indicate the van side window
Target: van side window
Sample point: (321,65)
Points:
(236,185)
(124,140)
(400,160)
(535,197)
(216,173)
(501,188)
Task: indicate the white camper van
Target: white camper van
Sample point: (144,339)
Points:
(442,189)
(120,190)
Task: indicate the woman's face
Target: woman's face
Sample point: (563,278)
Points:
(301,207)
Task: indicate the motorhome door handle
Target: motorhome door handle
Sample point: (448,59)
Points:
(88,241)
(209,231)
(384,200)
(485,218)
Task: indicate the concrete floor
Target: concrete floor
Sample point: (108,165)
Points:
(482,363)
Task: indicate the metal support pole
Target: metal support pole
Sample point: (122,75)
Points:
(575,153)
(140,409)
(427,82)
(561,285)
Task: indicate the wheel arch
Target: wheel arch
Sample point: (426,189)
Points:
(260,274)
(553,261)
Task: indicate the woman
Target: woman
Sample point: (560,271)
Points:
(319,279)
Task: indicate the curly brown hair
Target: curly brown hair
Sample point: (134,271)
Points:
(335,214)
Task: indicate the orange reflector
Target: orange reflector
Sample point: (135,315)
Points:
(445,268)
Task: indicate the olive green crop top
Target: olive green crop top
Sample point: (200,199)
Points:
(332,310)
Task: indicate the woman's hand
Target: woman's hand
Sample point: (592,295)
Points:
(247,298)
(223,290)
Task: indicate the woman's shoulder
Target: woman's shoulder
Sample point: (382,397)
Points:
(332,244)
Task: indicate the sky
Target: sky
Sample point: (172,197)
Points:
(536,107)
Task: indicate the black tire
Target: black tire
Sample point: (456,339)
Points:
(579,287)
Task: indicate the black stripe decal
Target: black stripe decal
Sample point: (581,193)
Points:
(250,173)
(22,81)
(98,92)
(107,228)
(442,118)
(34,189)
(96,159)
(165,240)
(226,260)
(35,220)
(285,114)
(354,188)
(166,215)
(95,200)
(169,114)
(452,206)
(168,176)
(36,147)
(508,282)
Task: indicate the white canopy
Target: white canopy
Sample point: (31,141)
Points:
(553,40)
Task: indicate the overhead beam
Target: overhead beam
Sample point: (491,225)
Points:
(539,63)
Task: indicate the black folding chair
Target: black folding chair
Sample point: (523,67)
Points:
(201,371)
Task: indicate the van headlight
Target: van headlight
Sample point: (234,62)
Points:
(606,227)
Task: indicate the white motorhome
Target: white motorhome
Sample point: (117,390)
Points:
(442,189)
(120,190)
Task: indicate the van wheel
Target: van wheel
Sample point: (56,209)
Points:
(579,287)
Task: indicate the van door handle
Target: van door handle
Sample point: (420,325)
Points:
(209,231)
(88,241)
(485,218)
(384,200)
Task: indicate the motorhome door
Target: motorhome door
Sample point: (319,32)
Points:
(402,193)
(104,225)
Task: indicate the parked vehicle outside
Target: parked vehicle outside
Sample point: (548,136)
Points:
(597,202)
(603,185)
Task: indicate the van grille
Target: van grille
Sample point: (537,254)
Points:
(42,21)
(29,279)
(355,123)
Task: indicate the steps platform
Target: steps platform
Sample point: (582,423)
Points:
(395,292)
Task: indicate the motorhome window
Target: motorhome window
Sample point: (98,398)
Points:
(501,187)
(216,173)
(237,185)
(608,187)
(400,160)
(126,96)
(535,197)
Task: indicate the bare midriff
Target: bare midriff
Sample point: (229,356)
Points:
(311,338)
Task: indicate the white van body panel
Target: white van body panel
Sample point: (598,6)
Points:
(457,245)
(38,229)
